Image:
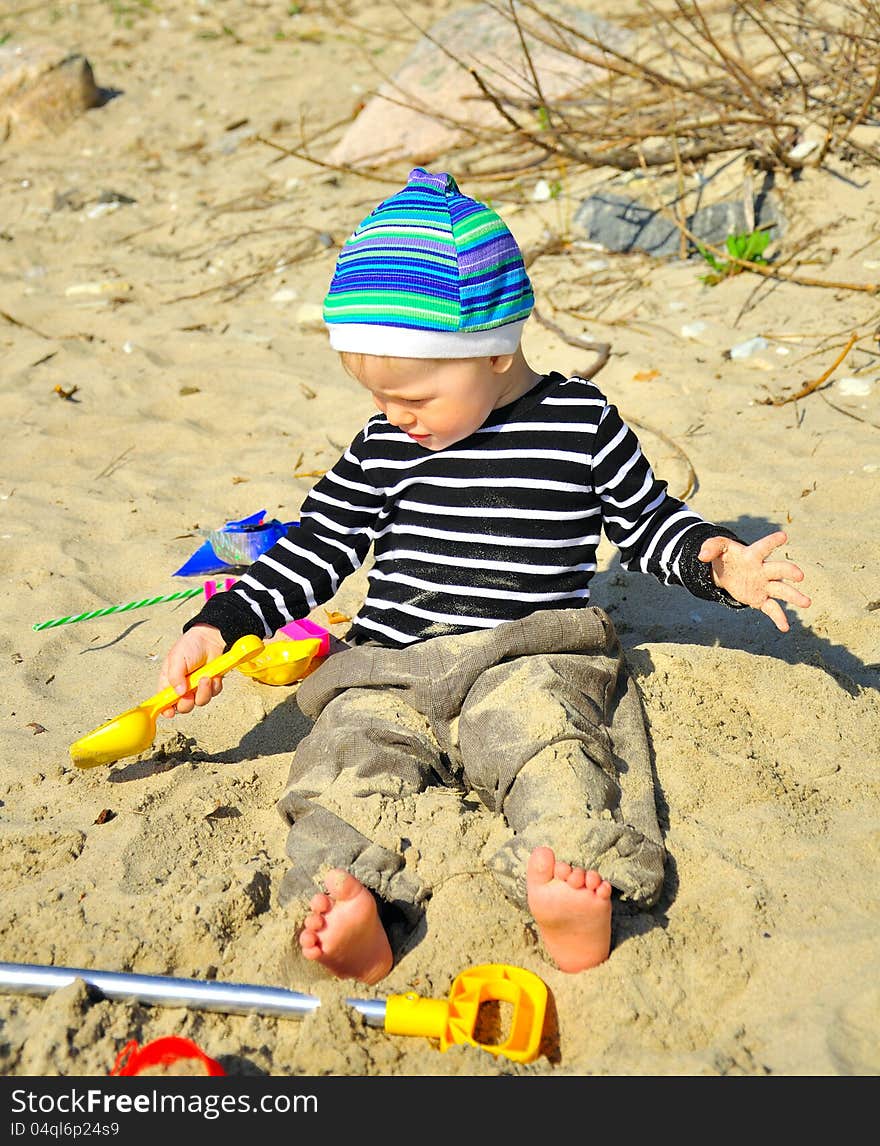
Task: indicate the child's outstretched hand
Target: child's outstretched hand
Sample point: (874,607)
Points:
(747,575)
(197,646)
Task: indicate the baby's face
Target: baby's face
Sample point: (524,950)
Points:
(436,401)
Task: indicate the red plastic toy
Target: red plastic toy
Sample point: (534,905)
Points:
(133,1059)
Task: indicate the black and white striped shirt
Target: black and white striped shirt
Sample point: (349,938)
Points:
(488,530)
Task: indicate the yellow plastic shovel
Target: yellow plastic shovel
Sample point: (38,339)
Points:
(461,1017)
(451,1021)
(135,730)
(283,662)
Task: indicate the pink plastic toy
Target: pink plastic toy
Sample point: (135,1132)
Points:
(304,629)
(211,587)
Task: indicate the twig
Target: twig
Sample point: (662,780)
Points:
(524,48)
(680,207)
(242,282)
(199,252)
(811,386)
(114,465)
(625,320)
(601,349)
(601,123)
(767,269)
(790,257)
(787,56)
(691,472)
(848,413)
(142,231)
(22,325)
(863,110)
(554,245)
(505,114)
(341,167)
(41,334)
(320,132)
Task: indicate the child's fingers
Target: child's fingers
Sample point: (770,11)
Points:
(183,705)
(205,691)
(764,546)
(776,614)
(177,670)
(175,674)
(712,548)
(168,679)
(783,571)
(785,592)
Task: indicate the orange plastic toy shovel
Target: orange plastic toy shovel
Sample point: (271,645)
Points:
(135,730)
(463,1016)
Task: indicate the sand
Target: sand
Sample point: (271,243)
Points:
(162,373)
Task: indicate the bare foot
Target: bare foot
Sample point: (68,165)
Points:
(572,909)
(344,933)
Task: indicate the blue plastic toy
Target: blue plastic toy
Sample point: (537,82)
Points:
(237,544)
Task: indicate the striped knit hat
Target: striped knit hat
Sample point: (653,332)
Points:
(429,273)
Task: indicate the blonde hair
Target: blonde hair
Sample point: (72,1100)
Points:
(353,361)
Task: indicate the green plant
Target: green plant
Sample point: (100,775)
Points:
(748,247)
(125,10)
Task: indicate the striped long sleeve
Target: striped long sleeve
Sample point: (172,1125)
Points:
(488,530)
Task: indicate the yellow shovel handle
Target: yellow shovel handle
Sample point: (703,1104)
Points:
(244,649)
(455,1019)
(412,1015)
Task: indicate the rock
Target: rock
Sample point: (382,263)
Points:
(431,79)
(284,295)
(310,316)
(749,348)
(42,89)
(854,387)
(623,223)
(107,288)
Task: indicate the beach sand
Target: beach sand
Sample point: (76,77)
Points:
(200,389)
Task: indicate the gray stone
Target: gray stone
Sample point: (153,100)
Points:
(622,223)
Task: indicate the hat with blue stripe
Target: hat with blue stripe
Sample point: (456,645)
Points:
(430,273)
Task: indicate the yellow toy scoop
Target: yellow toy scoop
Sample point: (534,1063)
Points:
(465,1017)
(135,730)
(283,662)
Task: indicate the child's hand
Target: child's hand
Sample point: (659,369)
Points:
(747,575)
(197,646)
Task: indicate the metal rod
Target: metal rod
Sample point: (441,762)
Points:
(205,995)
(372,1010)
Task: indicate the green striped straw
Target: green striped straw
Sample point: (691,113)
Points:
(182,596)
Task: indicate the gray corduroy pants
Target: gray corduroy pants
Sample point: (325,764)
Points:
(539,717)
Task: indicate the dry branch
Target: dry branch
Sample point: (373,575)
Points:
(691,483)
(811,386)
(769,270)
(601,349)
(849,413)
(704,80)
(294,153)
